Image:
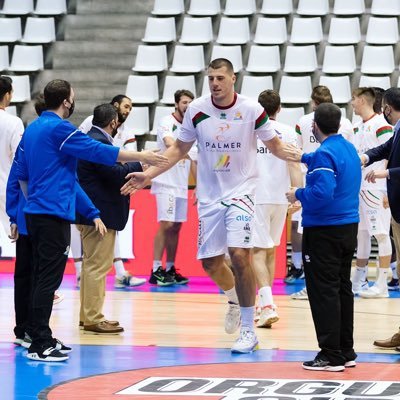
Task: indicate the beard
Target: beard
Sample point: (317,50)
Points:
(122,118)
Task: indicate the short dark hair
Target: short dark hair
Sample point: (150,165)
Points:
(104,114)
(5,86)
(221,62)
(367,92)
(40,104)
(327,116)
(182,92)
(392,97)
(321,94)
(378,99)
(55,92)
(118,98)
(270,100)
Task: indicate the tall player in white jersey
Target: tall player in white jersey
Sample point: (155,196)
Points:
(375,215)
(171,191)
(306,141)
(275,178)
(125,139)
(226,126)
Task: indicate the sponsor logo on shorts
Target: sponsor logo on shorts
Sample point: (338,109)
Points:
(246,239)
(200,237)
(247,227)
(244,218)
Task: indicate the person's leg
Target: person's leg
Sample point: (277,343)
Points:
(51,238)
(22,285)
(396,239)
(171,243)
(76,250)
(359,279)
(322,258)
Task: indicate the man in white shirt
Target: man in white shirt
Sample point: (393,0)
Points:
(125,139)
(375,215)
(12,129)
(226,126)
(171,191)
(275,178)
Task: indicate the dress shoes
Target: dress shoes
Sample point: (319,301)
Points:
(113,323)
(390,343)
(103,328)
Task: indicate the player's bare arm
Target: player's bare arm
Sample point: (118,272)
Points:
(284,151)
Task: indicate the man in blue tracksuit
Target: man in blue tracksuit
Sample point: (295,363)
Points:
(330,220)
(50,149)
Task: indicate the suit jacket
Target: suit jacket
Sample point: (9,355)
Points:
(390,151)
(102,184)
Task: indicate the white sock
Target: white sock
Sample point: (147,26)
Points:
(232,296)
(78,267)
(169,265)
(119,269)
(265,296)
(393,266)
(247,316)
(381,282)
(156,264)
(296,259)
(360,274)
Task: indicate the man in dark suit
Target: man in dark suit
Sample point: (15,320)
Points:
(102,184)
(389,151)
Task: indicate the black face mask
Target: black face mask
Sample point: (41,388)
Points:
(386,118)
(71,109)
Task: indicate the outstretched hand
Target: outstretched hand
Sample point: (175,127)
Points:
(153,158)
(373,175)
(137,180)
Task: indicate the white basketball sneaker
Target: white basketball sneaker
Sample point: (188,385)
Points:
(268,316)
(232,318)
(375,292)
(247,342)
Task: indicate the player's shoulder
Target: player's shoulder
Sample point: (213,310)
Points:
(306,119)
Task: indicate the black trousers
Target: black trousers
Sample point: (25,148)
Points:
(327,256)
(22,284)
(51,237)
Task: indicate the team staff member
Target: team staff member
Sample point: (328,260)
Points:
(389,151)
(330,219)
(226,126)
(102,184)
(50,148)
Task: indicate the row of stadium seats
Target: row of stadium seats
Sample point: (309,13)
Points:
(269,31)
(24,58)
(144,89)
(37,30)
(275,7)
(43,7)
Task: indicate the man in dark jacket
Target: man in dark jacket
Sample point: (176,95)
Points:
(389,151)
(102,185)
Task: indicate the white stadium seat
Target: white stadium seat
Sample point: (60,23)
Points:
(170,7)
(10,30)
(382,31)
(160,30)
(349,7)
(377,60)
(174,83)
(295,89)
(240,7)
(339,87)
(51,7)
(39,30)
(277,7)
(306,30)
(344,31)
(27,58)
(138,121)
(290,116)
(375,81)
(233,31)
(151,58)
(252,86)
(232,53)
(4,58)
(204,7)
(196,30)
(17,7)
(264,59)
(313,7)
(142,89)
(270,31)
(188,59)
(21,88)
(339,60)
(385,7)
(300,59)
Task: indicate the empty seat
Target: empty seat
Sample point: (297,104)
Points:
(344,31)
(51,7)
(295,89)
(174,83)
(270,31)
(377,60)
(339,87)
(382,31)
(138,121)
(290,116)
(339,60)
(204,7)
(300,59)
(347,7)
(17,7)
(27,58)
(10,30)
(274,7)
(233,31)
(232,53)
(385,7)
(306,30)
(240,7)
(4,58)
(142,89)
(21,88)
(11,110)
(313,7)
(160,112)
(39,30)
(252,86)
(170,7)
(375,81)
(188,59)
(264,59)
(196,30)
(160,30)
(151,58)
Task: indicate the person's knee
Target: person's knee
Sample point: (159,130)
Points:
(240,257)
(384,245)
(210,265)
(175,227)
